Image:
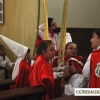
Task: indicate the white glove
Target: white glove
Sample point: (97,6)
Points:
(60,67)
(57,74)
(60,74)
(57,69)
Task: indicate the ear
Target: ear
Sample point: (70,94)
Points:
(43,52)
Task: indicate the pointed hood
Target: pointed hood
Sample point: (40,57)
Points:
(18,49)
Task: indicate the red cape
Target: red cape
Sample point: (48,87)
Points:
(95,59)
(20,80)
(42,74)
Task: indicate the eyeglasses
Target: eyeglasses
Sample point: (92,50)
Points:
(73,49)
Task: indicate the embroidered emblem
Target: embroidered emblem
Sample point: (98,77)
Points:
(97,70)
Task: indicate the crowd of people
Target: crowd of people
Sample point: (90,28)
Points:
(79,71)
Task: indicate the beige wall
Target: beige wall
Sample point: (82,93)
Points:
(20,22)
(81,13)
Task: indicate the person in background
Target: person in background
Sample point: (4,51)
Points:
(43,68)
(77,80)
(21,67)
(41,73)
(91,69)
(70,51)
(4,62)
(55,38)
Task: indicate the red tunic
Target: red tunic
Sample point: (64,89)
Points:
(42,74)
(95,59)
(20,80)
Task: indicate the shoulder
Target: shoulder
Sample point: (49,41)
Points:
(57,35)
(67,33)
(25,64)
(41,61)
(96,52)
(76,78)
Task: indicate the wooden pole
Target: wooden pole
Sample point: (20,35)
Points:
(63,37)
(38,20)
(63,33)
(46,35)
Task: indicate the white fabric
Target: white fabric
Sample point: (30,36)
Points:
(32,62)
(57,74)
(16,68)
(60,74)
(19,50)
(4,63)
(68,38)
(86,69)
(77,61)
(69,90)
(41,31)
(59,68)
(76,81)
(56,39)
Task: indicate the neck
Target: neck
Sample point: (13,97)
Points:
(45,57)
(50,30)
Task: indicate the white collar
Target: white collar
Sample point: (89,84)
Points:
(98,47)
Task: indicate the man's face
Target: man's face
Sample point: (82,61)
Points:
(53,25)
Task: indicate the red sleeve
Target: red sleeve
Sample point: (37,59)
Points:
(38,41)
(49,85)
(47,78)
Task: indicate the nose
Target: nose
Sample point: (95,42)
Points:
(74,49)
(90,40)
